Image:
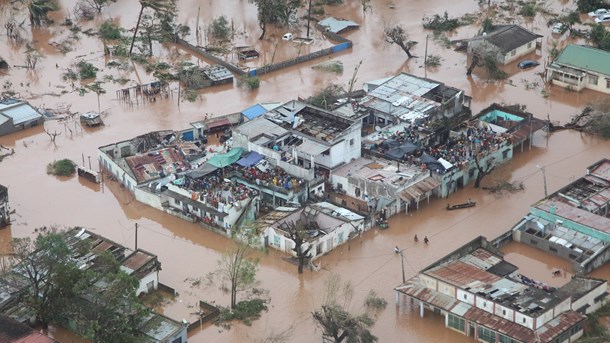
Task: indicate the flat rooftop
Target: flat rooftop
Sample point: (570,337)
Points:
(560,208)
(380,171)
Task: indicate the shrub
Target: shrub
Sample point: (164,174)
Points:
(253,82)
(63,167)
(245,311)
(444,23)
(585,6)
(86,70)
(528,10)
(109,30)
(433,61)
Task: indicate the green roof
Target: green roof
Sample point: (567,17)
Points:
(585,58)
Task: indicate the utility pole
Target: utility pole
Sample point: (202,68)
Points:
(402,263)
(308,17)
(543,179)
(426,58)
(136,236)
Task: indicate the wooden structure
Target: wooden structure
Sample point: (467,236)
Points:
(460,206)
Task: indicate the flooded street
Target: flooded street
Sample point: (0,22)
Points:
(188,252)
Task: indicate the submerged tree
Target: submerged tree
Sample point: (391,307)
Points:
(39,10)
(162,7)
(237,271)
(335,319)
(397,35)
(297,232)
(277,12)
(482,172)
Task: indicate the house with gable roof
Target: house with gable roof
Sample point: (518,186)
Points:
(505,42)
(579,66)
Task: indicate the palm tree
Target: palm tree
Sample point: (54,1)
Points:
(165,7)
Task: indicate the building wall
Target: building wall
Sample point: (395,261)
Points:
(602,85)
(143,286)
(524,320)
(586,82)
(149,198)
(562,307)
(519,52)
(344,151)
(484,304)
(544,318)
(504,312)
(428,281)
(446,289)
(113,168)
(466,297)
(589,298)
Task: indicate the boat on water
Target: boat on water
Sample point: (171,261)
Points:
(91,119)
(460,206)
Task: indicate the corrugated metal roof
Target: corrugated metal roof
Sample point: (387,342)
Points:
(20,113)
(585,58)
(259,126)
(337,25)
(558,325)
(498,324)
(462,274)
(509,37)
(414,289)
(576,215)
(312,148)
(602,171)
(254,111)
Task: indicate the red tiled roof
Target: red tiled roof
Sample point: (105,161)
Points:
(12,331)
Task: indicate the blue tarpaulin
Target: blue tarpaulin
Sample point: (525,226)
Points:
(250,159)
(254,111)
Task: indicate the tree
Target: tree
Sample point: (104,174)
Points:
(97,5)
(488,25)
(277,12)
(585,6)
(162,7)
(366,6)
(39,10)
(297,233)
(48,273)
(600,36)
(111,311)
(237,271)
(98,90)
(481,171)
(335,319)
(219,28)
(397,35)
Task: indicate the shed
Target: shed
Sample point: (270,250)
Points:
(17,115)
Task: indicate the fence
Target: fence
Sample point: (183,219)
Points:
(207,313)
(233,68)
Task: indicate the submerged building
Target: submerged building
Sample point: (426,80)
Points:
(573,222)
(481,295)
(17,115)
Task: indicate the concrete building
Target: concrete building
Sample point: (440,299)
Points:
(481,295)
(506,43)
(579,66)
(17,115)
(408,98)
(573,222)
(303,140)
(381,184)
(5,218)
(328,226)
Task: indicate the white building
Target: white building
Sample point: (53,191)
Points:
(328,226)
(481,295)
(578,67)
(303,136)
(506,43)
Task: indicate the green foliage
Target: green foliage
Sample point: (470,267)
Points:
(433,61)
(333,2)
(253,82)
(63,167)
(600,36)
(326,97)
(86,70)
(39,10)
(374,302)
(219,28)
(585,6)
(488,25)
(528,9)
(442,23)
(491,65)
(109,30)
(245,311)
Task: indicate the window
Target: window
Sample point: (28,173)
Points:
(486,335)
(529,45)
(575,329)
(465,297)
(455,322)
(524,320)
(506,339)
(276,240)
(513,53)
(357,191)
(503,312)
(607,83)
(552,249)
(505,153)
(341,237)
(177,340)
(593,80)
(351,141)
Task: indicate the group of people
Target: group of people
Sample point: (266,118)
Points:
(416,239)
(276,176)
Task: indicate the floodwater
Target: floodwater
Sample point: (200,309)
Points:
(188,252)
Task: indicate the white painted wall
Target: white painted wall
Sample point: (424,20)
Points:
(428,281)
(589,298)
(466,297)
(112,167)
(149,198)
(504,312)
(520,51)
(484,304)
(544,318)
(446,289)
(524,320)
(563,306)
(152,277)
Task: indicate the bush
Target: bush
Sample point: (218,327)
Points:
(253,82)
(220,29)
(109,30)
(86,70)
(585,6)
(444,23)
(333,2)
(63,167)
(331,67)
(528,10)
(326,97)
(245,311)
(433,61)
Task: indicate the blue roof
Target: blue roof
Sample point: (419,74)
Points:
(250,159)
(254,111)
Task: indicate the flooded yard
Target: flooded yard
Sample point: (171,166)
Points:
(187,251)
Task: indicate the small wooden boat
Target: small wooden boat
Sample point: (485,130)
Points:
(460,206)
(383,224)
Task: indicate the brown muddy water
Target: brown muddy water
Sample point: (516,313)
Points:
(188,252)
